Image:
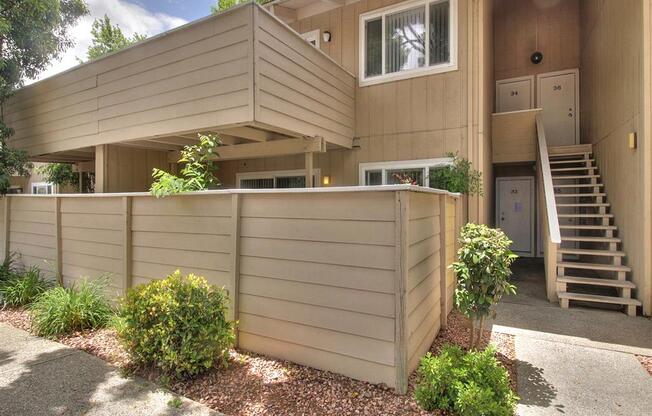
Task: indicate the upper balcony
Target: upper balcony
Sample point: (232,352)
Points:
(242,73)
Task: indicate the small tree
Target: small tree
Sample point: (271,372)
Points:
(60,174)
(483,272)
(457,177)
(197,174)
(108,38)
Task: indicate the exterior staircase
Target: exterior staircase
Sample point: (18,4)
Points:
(589,261)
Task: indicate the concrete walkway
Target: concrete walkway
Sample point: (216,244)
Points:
(40,377)
(576,361)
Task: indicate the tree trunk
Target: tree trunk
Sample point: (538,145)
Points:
(481,330)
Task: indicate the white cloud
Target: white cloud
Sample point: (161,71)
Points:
(130,17)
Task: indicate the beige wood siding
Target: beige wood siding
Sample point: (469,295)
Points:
(423,282)
(91,240)
(523,26)
(611,96)
(313,276)
(300,88)
(316,281)
(32,232)
(130,169)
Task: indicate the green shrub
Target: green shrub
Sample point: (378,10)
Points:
(61,310)
(457,177)
(466,384)
(23,289)
(7,268)
(483,273)
(177,325)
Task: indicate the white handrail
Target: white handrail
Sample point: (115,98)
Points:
(548,190)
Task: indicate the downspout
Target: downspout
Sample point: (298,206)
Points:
(472,201)
(646,148)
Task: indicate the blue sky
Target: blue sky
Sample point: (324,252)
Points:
(149,17)
(186,9)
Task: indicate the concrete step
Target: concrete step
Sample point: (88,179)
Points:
(585,239)
(598,298)
(590,252)
(596,282)
(580,168)
(588,227)
(587,205)
(567,161)
(593,266)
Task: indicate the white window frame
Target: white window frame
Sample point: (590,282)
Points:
(273,174)
(427,69)
(425,164)
(311,36)
(36,185)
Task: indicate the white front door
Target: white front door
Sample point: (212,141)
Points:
(514,94)
(514,212)
(557,95)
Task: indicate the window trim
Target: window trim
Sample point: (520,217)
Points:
(426,70)
(400,164)
(312,35)
(43,184)
(276,173)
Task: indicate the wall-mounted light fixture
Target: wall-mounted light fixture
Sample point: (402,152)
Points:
(326,180)
(326,36)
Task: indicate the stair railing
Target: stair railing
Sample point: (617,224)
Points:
(551,235)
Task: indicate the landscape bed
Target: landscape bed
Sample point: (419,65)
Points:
(255,384)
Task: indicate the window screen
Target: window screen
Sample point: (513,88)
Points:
(262,183)
(439,32)
(405,40)
(374,59)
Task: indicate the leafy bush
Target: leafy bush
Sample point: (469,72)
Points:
(59,174)
(458,177)
(483,273)
(7,268)
(197,174)
(467,384)
(62,310)
(23,289)
(177,325)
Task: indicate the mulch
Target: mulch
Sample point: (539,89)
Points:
(254,384)
(646,362)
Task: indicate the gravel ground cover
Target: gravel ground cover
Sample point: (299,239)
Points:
(646,362)
(253,384)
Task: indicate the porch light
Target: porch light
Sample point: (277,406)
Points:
(326,180)
(326,36)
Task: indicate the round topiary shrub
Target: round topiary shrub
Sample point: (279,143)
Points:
(178,325)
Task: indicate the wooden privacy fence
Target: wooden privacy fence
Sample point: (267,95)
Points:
(350,280)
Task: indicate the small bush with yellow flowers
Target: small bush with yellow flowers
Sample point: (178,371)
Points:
(177,325)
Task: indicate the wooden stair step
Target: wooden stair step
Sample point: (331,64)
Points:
(598,298)
(567,177)
(596,281)
(580,185)
(587,205)
(573,169)
(559,162)
(587,195)
(591,252)
(588,227)
(585,215)
(593,266)
(585,239)
(558,155)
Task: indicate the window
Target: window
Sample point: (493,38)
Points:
(312,37)
(393,173)
(41,188)
(276,180)
(411,39)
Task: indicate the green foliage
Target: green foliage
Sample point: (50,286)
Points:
(32,33)
(61,311)
(177,325)
(458,177)
(23,289)
(197,174)
(483,272)
(7,268)
(466,384)
(108,38)
(59,174)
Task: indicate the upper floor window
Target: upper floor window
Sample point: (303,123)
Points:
(406,40)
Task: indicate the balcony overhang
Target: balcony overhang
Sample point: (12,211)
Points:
(241,73)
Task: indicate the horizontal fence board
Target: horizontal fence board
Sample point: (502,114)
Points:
(179,224)
(33,204)
(354,323)
(92,235)
(379,304)
(91,206)
(93,248)
(181,258)
(38,252)
(422,250)
(183,241)
(32,239)
(317,358)
(93,221)
(33,228)
(94,262)
(368,349)
(324,274)
(423,228)
(39,217)
(186,206)
(156,271)
(422,270)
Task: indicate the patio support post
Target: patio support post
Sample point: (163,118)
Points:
(126,243)
(443,267)
(6,221)
(402,209)
(100,169)
(235,258)
(57,226)
(309,168)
